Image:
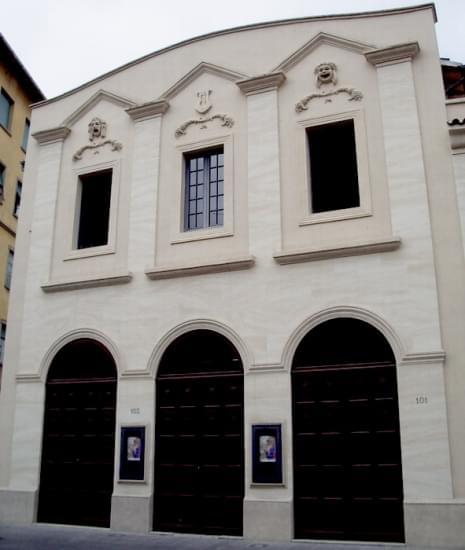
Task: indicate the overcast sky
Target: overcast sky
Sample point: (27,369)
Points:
(64,43)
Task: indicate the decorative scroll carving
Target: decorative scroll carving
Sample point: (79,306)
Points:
(203,107)
(326,76)
(115,146)
(97,130)
(226,121)
(354,95)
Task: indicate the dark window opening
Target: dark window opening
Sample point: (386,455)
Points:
(333,166)
(9,269)
(204,189)
(27,127)
(94,214)
(2,181)
(2,340)
(19,188)
(453,76)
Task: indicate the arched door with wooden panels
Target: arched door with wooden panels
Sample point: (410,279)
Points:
(199,447)
(76,480)
(346,440)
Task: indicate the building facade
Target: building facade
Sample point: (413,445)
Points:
(17,92)
(239,291)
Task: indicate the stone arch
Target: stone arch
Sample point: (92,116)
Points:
(198,324)
(337,312)
(78,334)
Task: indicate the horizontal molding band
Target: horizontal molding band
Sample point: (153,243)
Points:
(235,264)
(136,374)
(28,378)
(371,247)
(429,357)
(58,286)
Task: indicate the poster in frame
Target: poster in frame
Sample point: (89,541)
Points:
(132,453)
(267,462)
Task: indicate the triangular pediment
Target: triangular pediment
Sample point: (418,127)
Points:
(198,70)
(101,95)
(318,40)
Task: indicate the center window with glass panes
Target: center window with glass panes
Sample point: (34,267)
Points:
(204,190)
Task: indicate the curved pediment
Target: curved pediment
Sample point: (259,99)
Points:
(319,39)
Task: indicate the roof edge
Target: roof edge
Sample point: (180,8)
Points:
(23,76)
(241,28)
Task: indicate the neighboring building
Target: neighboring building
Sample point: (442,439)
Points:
(17,92)
(239,291)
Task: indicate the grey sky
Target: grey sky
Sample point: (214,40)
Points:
(64,43)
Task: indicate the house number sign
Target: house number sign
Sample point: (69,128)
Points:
(421,400)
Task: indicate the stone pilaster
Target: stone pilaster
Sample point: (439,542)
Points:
(422,400)
(263,164)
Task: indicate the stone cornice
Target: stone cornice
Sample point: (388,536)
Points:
(393,54)
(148,110)
(57,286)
(51,136)
(372,247)
(262,83)
(233,264)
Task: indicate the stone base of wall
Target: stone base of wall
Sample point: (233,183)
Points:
(435,524)
(131,514)
(18,507)
(268,520)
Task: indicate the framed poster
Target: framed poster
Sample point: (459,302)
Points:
(267,462)
(132,453)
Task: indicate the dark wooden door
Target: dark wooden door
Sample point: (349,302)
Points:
(347,458)
(76,481)
(199,472)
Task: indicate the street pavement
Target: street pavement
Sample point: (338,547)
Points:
(59,537)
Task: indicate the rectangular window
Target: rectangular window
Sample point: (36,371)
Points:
(19,188)
(2,340)
(94,209)
(333,166)
(9,269)
(27,126)
(2,181)
(204,189)
(6,107)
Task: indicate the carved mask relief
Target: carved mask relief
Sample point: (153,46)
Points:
(97,131)
(325,74)
(326,83)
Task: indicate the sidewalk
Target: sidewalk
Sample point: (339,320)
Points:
(59,537)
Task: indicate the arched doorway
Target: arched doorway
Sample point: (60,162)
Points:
(347,457)
(76,480)
(199,449)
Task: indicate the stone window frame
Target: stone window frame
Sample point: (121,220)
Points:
(73,252)
(178,232)
(361,146)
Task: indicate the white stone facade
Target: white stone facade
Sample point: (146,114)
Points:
(273,270)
